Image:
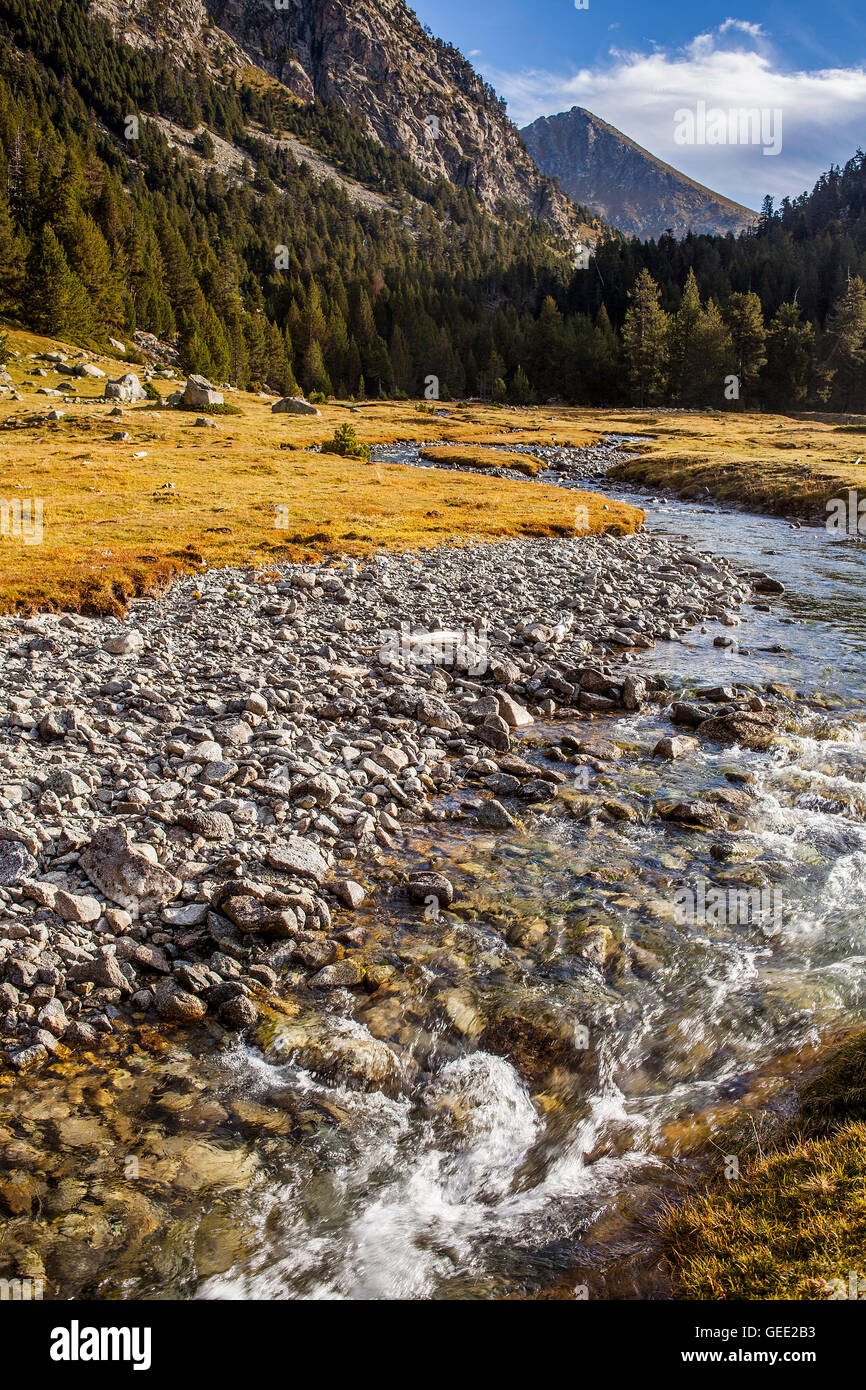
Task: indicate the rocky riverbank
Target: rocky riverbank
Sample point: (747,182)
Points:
(560,462)
(192,799)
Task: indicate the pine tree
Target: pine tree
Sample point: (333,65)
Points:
(843,361)
(684,344)
(521,391)
(11,257)
(89,257)
(645,335)
(745,320)
(790,358)
(57,302)
(315,377)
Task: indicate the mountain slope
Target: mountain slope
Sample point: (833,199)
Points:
(413,93)
(625,184)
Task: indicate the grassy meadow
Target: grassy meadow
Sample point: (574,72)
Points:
(120,518)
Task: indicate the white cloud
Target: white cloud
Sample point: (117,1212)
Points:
(754,30)
(823,112)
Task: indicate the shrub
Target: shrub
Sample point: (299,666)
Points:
(346,444)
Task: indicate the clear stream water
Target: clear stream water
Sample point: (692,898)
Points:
(530,1109)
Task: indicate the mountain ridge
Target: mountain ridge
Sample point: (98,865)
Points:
(628,186)
(413,93)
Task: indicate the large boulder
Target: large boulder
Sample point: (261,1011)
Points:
(125,873)
(294,405)
(88,369)
(126,388)
(749,728)
(199,391)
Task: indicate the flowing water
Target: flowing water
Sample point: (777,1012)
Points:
(504,1114)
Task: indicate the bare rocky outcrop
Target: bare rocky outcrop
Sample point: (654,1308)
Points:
(414,93)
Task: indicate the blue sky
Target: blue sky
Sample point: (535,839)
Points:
(640,66)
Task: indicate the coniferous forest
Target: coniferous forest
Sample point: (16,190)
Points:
(270,278)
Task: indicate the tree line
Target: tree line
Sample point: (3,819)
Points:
(267,277)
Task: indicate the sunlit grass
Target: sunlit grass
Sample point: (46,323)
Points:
(795,1220)
(121,518)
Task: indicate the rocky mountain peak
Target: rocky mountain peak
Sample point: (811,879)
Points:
(622,182)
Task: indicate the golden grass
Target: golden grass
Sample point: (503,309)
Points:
(471,456)
(760,462)
(121,518)
(794,1224)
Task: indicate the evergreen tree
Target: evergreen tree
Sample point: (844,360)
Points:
(645,334)
(315,377)
(790,359)
(843,360)
(57,302)
(745,321)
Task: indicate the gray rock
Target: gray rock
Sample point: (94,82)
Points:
(125,874)
(294,405)
(199,391)
(426,885)
(126,388)
(300,856)
(16,864)
(494,815)
(177,1004)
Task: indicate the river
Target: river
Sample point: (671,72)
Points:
(475,1176)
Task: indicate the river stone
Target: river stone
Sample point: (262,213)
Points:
(103,971)
(682,712)
(675,746)
(238,1012)
(494,815)
(297,855)
(696,813)
(343,974)
(250,915)
(348,892)
(750,729)
(125,874)
(80,1034)
(516,716)
(175,1003)
(15,863)
(436,714)
(426,885)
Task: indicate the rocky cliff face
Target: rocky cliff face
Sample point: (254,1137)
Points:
(626,185)
(412,92)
